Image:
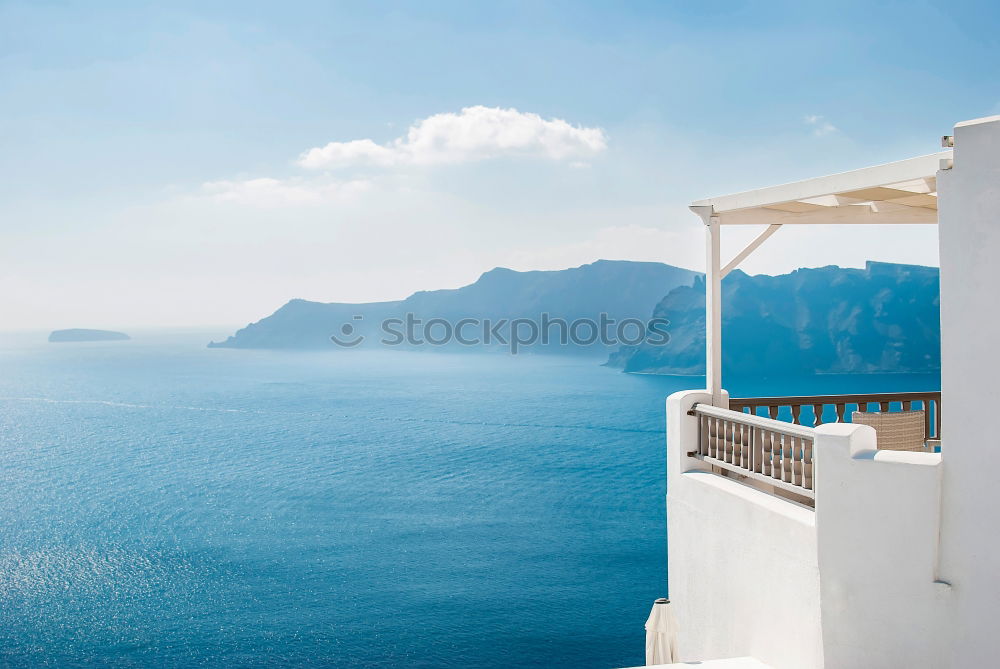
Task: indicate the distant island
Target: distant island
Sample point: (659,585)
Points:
(79,334)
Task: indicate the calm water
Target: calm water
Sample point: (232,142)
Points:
(165,504)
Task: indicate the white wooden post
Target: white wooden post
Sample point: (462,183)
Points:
(713,311)
(713,305)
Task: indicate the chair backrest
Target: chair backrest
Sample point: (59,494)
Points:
(896,430)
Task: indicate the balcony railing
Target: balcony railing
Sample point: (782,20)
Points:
(776,453)
(813,410)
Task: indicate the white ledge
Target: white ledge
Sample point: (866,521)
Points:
(779,505)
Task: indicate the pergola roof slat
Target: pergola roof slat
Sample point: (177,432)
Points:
(864,195)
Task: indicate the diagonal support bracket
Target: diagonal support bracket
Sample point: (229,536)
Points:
(751,247)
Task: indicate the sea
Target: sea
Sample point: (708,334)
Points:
(163,504)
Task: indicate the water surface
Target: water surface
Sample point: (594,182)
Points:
(166,504)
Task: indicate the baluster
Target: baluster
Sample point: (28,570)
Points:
(744,445)
(797,460)
(736,438)
(727,441)
(730,440)
(748,448)
(766,446)
(907,404)
(788,445)
(776,449)
(817,414)
(720,439)
(796,410)
(738,444)
(883,407)
(723,439)
(703,433)
(783,458)
(772,411)
(730,428)
(758,450)
(711,437)
(774,466)
(937,419)
(840,411)
(807,467)
(789,473)
(714,443)
(780,444)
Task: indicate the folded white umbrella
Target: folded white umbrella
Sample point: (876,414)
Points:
(661,634)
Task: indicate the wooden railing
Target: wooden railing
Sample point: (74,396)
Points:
(815,410)
(765,450)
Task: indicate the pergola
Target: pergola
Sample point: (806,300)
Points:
(901,192)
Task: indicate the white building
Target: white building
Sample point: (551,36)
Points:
(807,545)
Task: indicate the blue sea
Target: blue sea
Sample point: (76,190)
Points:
(164,504)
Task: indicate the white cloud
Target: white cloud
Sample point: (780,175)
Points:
(345,154)
(475,133)
(821,127)
(268,192)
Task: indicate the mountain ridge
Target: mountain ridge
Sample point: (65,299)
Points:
(883,318)
(620,288)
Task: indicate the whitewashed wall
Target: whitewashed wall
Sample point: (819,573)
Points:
(969,215)
(742,563)
(877,527)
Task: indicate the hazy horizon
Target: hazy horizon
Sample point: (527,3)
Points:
(229,328)
(188,165)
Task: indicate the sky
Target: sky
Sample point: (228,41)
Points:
(201,163)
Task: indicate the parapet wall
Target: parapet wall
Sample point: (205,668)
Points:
(877,530)
(743,570)
(852,583)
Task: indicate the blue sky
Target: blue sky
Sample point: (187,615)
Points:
(151,170)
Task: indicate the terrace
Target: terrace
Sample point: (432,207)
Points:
(824,531)
(767,442)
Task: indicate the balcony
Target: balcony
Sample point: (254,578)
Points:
(818,514)
(774,452)
(760,507)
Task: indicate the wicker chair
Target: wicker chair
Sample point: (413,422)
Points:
(897,430)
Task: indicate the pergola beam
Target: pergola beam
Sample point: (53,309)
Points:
(849,214)
(902,171)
